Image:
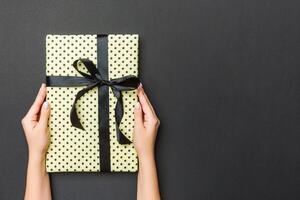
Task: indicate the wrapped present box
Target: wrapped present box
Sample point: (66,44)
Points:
(91,87)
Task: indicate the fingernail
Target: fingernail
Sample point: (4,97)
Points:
(43,85)
(140,85)
(137,105)
(45,105)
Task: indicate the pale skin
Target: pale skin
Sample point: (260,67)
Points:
(37,136)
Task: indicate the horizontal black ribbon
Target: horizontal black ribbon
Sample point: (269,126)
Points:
(91,80)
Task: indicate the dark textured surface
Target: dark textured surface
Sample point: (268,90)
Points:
(231,131)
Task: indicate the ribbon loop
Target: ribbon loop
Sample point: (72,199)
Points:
(88,65)
(117,85)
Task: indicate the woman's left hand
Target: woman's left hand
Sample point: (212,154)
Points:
(35,125)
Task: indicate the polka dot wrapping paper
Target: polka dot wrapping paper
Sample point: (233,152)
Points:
(72,149)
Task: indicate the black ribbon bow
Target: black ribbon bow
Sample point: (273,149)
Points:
(117,85)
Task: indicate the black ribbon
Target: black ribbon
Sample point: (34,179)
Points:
(94,79)
(98,77)
(117,85)
(91,80)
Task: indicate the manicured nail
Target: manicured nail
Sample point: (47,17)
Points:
(137,106)
(140,85)
(45,105)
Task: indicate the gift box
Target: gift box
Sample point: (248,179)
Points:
(91,87)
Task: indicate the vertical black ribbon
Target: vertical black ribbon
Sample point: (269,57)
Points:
(103,101)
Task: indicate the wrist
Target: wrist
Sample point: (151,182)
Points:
(146,156)
(37,164)
(36,157)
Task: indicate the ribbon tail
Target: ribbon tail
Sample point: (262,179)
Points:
(122,139)
(73,114)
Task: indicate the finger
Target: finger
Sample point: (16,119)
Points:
(44,116)
(138,117)
(145,105)
(152,115)
(147,99)
(36,106)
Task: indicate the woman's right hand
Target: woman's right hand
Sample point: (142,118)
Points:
(145,127)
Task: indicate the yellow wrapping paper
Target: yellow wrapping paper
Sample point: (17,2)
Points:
(72,149)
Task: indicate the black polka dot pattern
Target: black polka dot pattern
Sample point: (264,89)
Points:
(72,149)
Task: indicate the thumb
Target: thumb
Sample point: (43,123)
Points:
(138,117)
(45,113)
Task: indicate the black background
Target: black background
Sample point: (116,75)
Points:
(223,77)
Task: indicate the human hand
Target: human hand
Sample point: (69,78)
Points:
(35,126)
(145,127)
